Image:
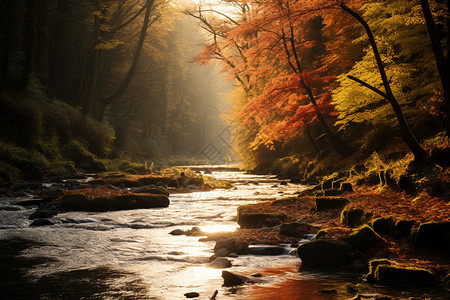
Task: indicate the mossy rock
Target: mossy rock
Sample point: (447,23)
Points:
(373,264)
(363,238)
(346,186)
(332,192)
(259,220)
(433,236)
(384,226)
(113,203)
(151,189)
(327,184)
(325,203)
(354,217)
(403,228)
(403,277)
(325,254)
(296,229)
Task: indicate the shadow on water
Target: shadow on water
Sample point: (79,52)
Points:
(97,283)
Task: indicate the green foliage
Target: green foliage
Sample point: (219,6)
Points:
(408,58)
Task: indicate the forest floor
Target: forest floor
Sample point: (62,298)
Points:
(420,208)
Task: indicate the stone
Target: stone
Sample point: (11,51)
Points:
(433,236)
(150,189)
(406,184)
(346,186)
(373,264)
(195,231)
(192,295)
(364,238)
(402,228)
(327,184)
(354,217)
(268,250)
(256,275)
(332,192)
(384,226)
(404,277)
(336,184)
(325,203)
(231,279)
(177,232)
(220,263)
(325,254)
(43,214)
(328,291)
(296,229)
(259,220)
(233,245)
(283,183)
(41,222)
(78,202)
(220,252)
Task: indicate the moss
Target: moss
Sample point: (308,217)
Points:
(433,236)
(373,264)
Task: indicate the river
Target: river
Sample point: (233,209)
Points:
(131,255)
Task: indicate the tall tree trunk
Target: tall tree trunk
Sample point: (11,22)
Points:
(124,85)
(419,153)
(442,63)
(43,43)
(6,17)
(29,35)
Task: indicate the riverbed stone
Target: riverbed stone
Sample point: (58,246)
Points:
(195,231)
(41,222)
(364,238)
(258,220)
(78,202)
(403,277)
(354,216)
(433,236)
(325,203)
(192,295)
(297,229)
(373,264)
(267,250)
(220,263)
(346,186)
(325,254)
(332,192)
(232,245)
(177,232)
(150,189)
(384,225)
(43,214)
(402,228)
(231,279)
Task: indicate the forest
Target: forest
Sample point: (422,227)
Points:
(328,119)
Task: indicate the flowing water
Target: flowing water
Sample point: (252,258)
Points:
(131,255)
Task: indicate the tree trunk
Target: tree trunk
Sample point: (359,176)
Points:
(419,153)
(6,17)
(29,35)
(442,64)
(43,45)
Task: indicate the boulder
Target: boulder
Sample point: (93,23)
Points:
(43,214)
(192,295)
(231,279)
(177,232)
(78,202)
(433,236)
(297,229)
(363,238)
(195,231)
(233,245)
(220,263)
(256,275)
(259,220)
(325,203)
(346,186)
(41,222)
(403,277)
(384,226)
(336,184)
(268,250)
(325,254)
(327,184)
(406,184)
(354,217)
(373,264)
(403,228)
(332,192)
(150,189)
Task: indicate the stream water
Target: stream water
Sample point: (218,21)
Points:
(131,255)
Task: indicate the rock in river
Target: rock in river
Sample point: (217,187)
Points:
(231,279)
(325,254)
(220,263)
(41,222)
